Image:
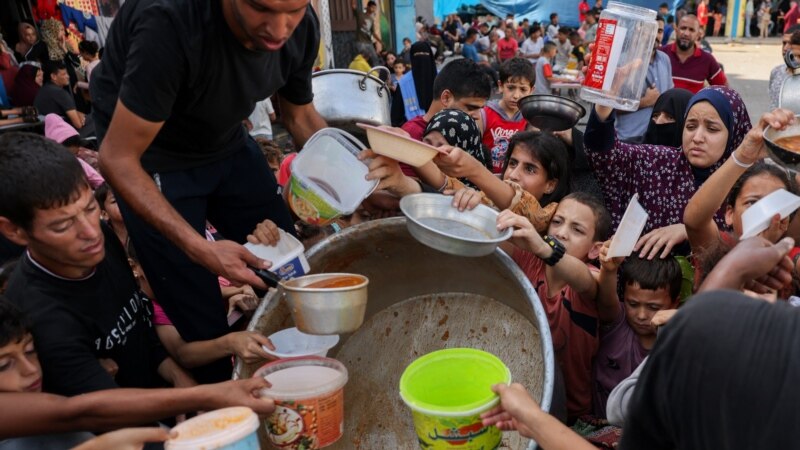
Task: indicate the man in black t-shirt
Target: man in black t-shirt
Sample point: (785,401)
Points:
(74,282)
(176,80)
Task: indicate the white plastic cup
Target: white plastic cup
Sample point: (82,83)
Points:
(622,51)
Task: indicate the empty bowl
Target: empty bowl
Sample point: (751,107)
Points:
(399,147)
(434,221)
(551,112)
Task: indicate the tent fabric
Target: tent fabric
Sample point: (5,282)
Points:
(535,10)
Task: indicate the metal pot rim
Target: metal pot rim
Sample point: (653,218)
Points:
(357,73)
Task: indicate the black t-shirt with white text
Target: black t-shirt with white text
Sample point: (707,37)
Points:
(75,322)
(178,61)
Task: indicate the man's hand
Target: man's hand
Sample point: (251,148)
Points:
(110,366)
(231,260)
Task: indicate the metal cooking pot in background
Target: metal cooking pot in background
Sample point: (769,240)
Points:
(344,97)
(790,91)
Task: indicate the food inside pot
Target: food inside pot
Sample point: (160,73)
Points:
(791,143)
(336,282)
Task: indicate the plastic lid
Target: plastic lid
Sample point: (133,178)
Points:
(215,429)
(758,216)
(293,343)
(302,378)
(629,229)
(453,382)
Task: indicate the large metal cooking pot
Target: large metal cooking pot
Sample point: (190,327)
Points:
(344,97)
(790,90)
(420,300)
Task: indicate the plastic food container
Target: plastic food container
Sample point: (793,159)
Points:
(309,402)
(287,256)
(447,390)
(399,148)
(758,217)
(327,179)
(293,343)
(327,310)
(622,51)
(224,429)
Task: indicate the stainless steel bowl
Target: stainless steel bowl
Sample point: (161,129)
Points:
(551,112)
(433,221)
(788,157)
(323,311)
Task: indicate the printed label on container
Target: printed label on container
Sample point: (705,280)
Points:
(307,424)
(464,433)
(605,56)
(309,206)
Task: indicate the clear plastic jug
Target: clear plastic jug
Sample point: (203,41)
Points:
(622,52)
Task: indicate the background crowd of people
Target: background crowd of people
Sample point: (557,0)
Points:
(123,271)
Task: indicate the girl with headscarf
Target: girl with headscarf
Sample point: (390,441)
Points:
(666,124)
(26,85)
(415,90)
(665,178)
(740,182)
(29,47)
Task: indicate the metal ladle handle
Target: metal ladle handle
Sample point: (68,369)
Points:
(363,83)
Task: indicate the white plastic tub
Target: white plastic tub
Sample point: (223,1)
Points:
(287,256)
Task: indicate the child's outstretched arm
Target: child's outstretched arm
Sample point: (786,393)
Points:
(569,269)
(244,344)
(608,305)
(518,411)
(457,163)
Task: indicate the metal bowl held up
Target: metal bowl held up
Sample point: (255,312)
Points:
(788,157)
(434,221)
(551,112)
(344,97)
(420,300)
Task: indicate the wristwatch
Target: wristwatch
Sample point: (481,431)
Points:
(558,250)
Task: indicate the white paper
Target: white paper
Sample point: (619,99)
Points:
(629,230)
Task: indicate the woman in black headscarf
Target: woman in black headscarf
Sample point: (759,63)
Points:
(723,375)
(414,94)
(669,115)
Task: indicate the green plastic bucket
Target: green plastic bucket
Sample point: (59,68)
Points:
(447,390)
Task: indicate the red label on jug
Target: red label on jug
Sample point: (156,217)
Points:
(604,46)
